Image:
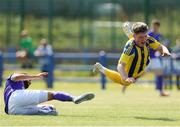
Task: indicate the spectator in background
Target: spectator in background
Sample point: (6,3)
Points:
(26,50)
(44,51)
(167,66)
(176,49)
(1,68)
(156,64)
(176,56)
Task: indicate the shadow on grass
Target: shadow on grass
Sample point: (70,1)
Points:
(153,118)
(78,116)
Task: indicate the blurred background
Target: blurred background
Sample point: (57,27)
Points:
(77,30)
(74,24)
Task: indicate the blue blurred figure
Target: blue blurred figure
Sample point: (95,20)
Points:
(45,54)
(176,62)
(156,63)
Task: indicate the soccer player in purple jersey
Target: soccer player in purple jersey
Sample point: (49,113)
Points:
(20,101)
(156,64)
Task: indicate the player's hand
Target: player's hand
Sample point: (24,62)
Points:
(165,51)
(43,74)
(130,80)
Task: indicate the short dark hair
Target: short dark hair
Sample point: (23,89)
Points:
(156,22)
(26,84)
(139,27)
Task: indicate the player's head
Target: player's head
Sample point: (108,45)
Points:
(155,25)
(140,33)
(24,34)
(44,42)
(27,83)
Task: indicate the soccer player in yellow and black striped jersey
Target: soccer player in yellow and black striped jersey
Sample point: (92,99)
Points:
(135,57)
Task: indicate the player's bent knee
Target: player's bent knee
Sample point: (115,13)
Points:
(124,83)
(50,96)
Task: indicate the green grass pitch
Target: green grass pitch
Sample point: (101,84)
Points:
(140,105)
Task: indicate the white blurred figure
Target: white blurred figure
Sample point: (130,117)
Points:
(43,52)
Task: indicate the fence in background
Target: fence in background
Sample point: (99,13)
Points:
(171,66)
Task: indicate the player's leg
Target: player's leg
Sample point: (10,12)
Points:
(155,66)
(34,110)
(113,75)
(62,96)
(34,97)
(46,110)
(24,102)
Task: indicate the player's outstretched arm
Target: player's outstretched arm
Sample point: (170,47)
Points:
(121,70)
(163,50)
(24,76)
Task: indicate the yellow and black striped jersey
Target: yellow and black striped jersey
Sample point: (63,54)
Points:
(137,58)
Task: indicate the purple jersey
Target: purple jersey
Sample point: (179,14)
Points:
(10,87)
(157,36)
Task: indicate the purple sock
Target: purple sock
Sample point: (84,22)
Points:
(62,96)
